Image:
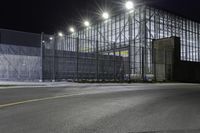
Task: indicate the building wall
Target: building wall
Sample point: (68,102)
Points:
(185,71)
(163,54)
(20,58)
(167,54)
(136,31)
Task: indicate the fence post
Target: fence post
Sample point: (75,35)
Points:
(42,56)
(154,59)
(77,58)
(114,61)
(97,60)
(53,70)
(143,63)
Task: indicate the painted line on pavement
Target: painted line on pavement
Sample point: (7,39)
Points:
(36,100)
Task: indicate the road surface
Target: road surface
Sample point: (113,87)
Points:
(101,108)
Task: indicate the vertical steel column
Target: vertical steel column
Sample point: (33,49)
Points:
(134,46)
(182,41)
(196,46)
(192,38)
(189,39)
(149,41)
(163,23)
(115,49)
(144,43)
(120,46)
(167,24)
(140,42)
(129,45)
(191,43)
(112,37)
(186,38)
(97,39)
(198,42)
(154,52)
(175,22)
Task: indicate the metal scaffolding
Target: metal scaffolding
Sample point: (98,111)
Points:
(119,48)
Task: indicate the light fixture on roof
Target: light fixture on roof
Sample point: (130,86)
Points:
(105,15)
(87,23)
(129,5)
(60,34)
(71,29)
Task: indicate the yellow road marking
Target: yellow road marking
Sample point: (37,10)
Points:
(36,100)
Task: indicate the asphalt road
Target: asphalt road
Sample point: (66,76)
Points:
(93,108)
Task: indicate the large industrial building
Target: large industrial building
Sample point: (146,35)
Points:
(142,44)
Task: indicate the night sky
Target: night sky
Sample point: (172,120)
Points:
(53,15)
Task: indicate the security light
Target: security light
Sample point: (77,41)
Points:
(60,34)
(105,15)
(129,5)
(87,23)
(71,29)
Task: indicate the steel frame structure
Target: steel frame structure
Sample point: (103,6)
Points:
(127,35)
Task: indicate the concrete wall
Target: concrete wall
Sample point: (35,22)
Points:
(182,71)
(20,58)
(163,50)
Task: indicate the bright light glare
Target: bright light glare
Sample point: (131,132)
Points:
(129,5)
(60,34)
(87,23)
(71,29)
(105,15)
(51,38)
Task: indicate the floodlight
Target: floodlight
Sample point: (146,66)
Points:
(129,5)
(87,23)
(60,34)
(51,38)
(105,15)
(71,29)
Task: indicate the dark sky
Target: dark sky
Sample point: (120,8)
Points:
(54,15)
